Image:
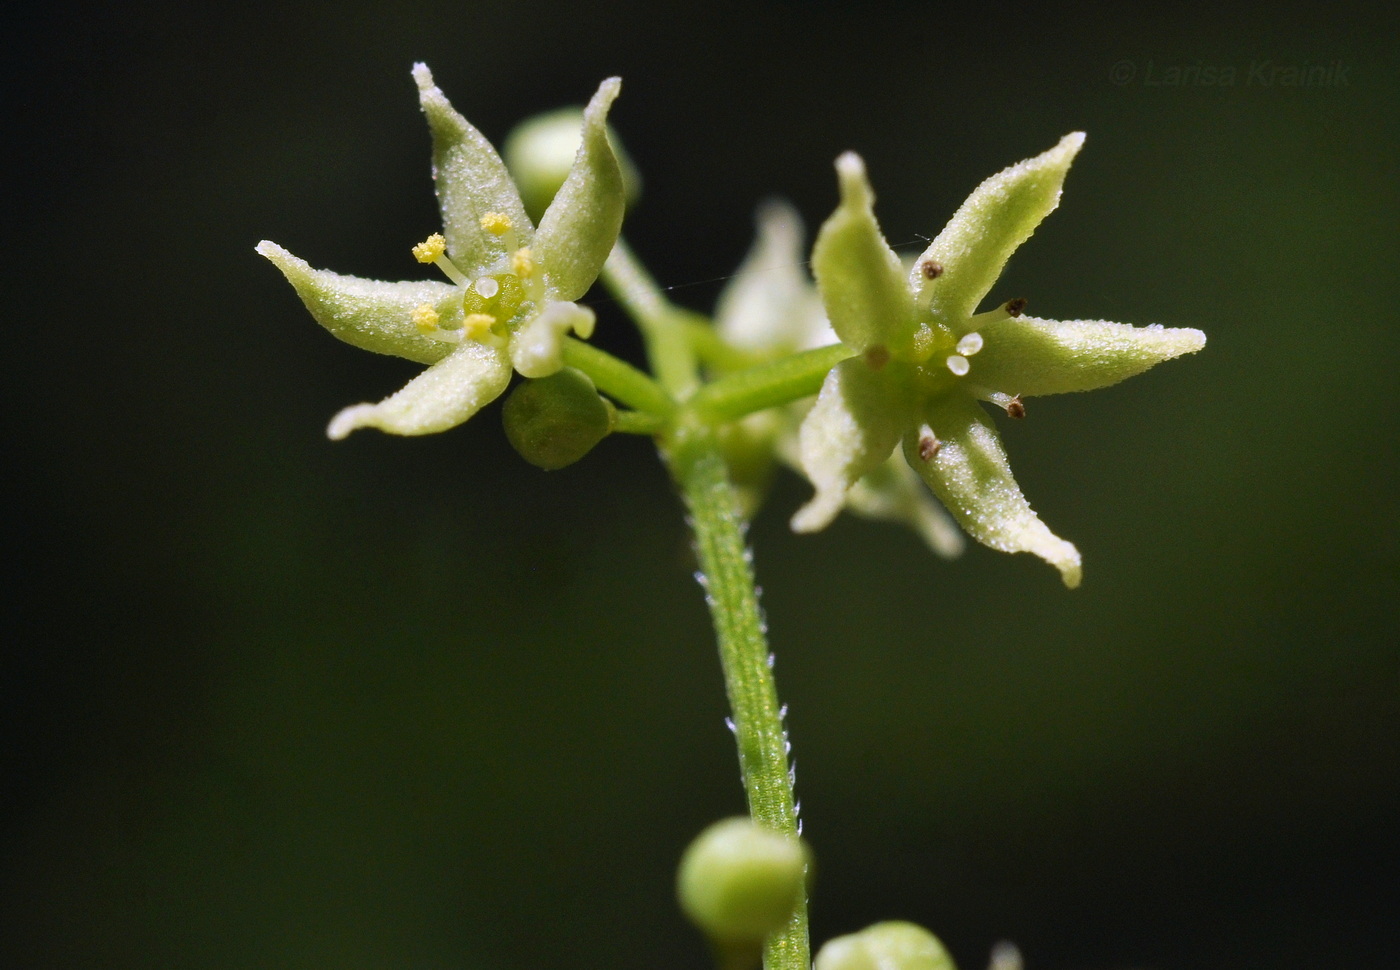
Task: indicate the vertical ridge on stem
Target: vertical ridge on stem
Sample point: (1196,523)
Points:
(748,676)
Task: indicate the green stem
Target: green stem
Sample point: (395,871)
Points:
(618,379)
(668,345)
(637,422)
(767,385)
(753,696)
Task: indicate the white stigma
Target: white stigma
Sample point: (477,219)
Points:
(970,344)
(487,287)
(958,365)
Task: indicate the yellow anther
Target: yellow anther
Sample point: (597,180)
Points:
(478,325)
(523,263)
(425,318)
(430,249)
(496,223)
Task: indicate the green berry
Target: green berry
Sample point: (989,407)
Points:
(554,421)
(740,881)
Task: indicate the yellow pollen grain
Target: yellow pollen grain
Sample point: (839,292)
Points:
(478,325)
(425,318)
(496,223)
(430,250)
(523,263)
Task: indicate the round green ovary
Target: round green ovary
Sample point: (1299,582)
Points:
(503,305)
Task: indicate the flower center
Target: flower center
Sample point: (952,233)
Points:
(969,343)
(490,302)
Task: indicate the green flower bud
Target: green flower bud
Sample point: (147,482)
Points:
(885,946)
(740,881)
(554,421)
(539,152)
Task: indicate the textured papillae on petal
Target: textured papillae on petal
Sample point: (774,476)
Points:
(997,217)
(860,278)
(853,427)
(367,313)
(969,473)
(770,306)
(1029,356)
(580,226)
(471,180)
(443,396)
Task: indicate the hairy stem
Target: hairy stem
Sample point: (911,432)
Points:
(743,646)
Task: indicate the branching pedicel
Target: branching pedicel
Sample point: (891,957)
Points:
(898,357)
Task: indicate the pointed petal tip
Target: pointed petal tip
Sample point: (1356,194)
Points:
(850,164)
(1170,342)
(601,102)
(778,235)
(610,87)
(1061,155)
(1060,553)
(855,184)
(817,514)
(297,270)
(431,97)
(778,215)
(1071,570)
(278,256)
(350,419)
(1038,540)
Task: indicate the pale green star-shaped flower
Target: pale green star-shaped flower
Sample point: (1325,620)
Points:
(513,286)
(926,358)
(771,308)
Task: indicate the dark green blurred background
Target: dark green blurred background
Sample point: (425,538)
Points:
(273,702)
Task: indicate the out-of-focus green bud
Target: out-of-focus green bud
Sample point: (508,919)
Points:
(1005,956)
(740,881)
(540,151)
(554,421)
(885,946)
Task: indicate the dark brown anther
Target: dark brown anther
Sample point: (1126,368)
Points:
(930,269)
(877,357)
(928,446)
(1016,307)
(1015,409)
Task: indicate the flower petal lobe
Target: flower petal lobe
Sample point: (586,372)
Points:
(1030,356)
(972,478)
(369,314)
(580,226)
(853,427)
(997,217)
(860,278)
(471,181)
(443,396)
